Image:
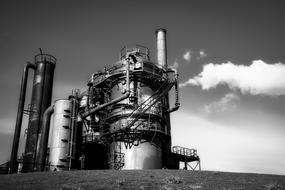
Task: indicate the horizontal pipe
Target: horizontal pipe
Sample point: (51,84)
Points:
(17,132)
(44,138)
(96,109)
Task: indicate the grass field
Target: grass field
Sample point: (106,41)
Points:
(141,179)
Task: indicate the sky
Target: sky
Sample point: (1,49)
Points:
(229,56)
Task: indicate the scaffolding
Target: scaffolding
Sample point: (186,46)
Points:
(187,156)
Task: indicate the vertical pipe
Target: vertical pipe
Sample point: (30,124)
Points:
(185,165)
(78,143)
(34,118)
(161,47)
(43,143)
(77,125)
(199,164)
(17,132)
(73,132)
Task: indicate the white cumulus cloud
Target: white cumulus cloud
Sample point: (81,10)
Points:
(225,104)
(202,54)
(187,56)
(257,78)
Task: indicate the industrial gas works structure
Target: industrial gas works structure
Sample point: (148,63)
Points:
(121,121)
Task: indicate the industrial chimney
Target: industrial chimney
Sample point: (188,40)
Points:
(161,47)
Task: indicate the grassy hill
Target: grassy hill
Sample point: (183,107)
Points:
(141,179)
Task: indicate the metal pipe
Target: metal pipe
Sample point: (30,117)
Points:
(29,158)
(73,130)
(43,143)
(17,132)
(161,47)
(93,110)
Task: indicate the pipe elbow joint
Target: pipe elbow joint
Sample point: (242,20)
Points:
(30,65)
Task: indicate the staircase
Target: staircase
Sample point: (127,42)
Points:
(147,104)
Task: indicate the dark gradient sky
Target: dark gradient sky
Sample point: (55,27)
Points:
(87,35)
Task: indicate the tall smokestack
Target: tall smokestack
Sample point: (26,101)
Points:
(161,47)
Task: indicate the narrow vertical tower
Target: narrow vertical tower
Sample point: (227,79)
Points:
(40,101)
(161,47)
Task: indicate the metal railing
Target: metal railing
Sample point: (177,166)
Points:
(140,50)
(45,57)
(147,104)
(184,151)
(91,137)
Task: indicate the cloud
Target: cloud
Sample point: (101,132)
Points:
(257,78)
(193,54)
(187,56)
(225,104)
(228,141)
(202,54)
(175,65)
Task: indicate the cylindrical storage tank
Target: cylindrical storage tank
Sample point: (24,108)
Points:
(59,145)
(40,101)
(146,155)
